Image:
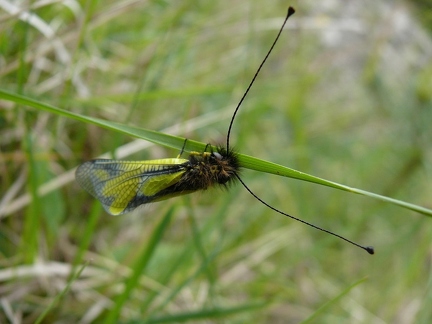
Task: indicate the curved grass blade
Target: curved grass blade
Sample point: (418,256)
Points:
(206,314)
(252,163)
(331,302)
(60,296)
(139,268)
(176,142)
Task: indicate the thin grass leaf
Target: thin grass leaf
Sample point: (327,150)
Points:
(29,241)
(60,296)
(253,163)
(331,302)
(87,233)
(184,260)
(177,142)
(209,314)
(187,281)
(133,281)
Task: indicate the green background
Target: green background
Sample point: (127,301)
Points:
(344,96)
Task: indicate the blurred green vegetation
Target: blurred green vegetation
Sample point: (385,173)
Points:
(423,9)
(345,96)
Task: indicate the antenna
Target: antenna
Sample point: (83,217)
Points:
(368,249)
(290,12)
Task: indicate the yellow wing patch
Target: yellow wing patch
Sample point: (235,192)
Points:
(121,186)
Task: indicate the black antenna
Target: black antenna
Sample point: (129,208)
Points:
(368,249)
(291,11)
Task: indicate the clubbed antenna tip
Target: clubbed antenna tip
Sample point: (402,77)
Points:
(370,249)
(291,11)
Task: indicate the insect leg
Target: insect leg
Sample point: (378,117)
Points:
(182,150)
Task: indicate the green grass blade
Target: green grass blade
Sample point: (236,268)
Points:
(60,296)
(331,302)
(133,281)
(185,258)
(253,163)
(149,135)
(202,269)
(30,240)
(209,314)
(87,232)
(177,142)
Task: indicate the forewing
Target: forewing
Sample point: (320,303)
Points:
(121,186)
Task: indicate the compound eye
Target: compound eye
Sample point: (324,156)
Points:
(217,155)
